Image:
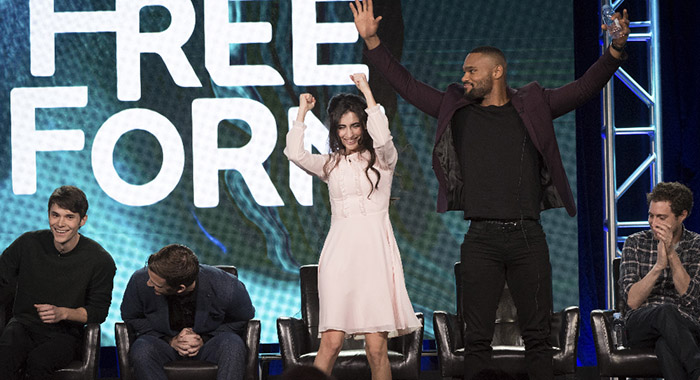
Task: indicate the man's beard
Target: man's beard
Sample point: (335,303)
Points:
(479,91)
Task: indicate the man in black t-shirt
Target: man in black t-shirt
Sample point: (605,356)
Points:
(497,160)
(60,280)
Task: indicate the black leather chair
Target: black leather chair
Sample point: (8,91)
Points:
(299,340)
(84,367)
(190,369)
(622,362)
(508,348)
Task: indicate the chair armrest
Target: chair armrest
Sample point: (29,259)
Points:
(411,347)
(448,336)
(409,344)
(412,344)
(293,338)
(569,329)
(252,342)
(121,335)
(91,350)
(602,338)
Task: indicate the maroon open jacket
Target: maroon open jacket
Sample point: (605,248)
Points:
(536,105)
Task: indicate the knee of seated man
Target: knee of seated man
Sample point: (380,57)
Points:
(38,367)
(667,313)
(145,346)
(35,364)
(227,343)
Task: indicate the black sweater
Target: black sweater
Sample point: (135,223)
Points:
(82,277)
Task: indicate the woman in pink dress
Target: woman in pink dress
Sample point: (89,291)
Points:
(362,293)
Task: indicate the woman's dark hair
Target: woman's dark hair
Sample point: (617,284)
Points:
(338,106)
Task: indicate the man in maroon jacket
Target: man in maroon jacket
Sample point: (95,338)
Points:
(496,159)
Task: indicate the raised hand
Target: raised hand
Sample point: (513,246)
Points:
(360,81)
(306,103)
(664,233)
(661,256)
(624,24)
(365,22)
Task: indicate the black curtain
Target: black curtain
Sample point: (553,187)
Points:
(681,136)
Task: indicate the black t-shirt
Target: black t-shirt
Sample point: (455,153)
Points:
(182,309)
(500,166)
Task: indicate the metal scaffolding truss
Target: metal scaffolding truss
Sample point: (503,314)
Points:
(649,168)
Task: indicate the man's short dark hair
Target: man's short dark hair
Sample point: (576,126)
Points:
(491,51)
(676,194)
(70,198)
(176,264)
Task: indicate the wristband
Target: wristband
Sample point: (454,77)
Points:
(618,48)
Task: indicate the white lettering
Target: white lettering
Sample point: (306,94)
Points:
(306,35)
(45,24)
(167,44)
(103,152)
(219,33)
(26,140)
(208,158)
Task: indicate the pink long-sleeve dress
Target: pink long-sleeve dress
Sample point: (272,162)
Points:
(360,275)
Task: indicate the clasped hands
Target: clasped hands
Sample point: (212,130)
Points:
(665,248)
(187,342)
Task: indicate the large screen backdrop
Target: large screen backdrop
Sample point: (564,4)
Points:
(171,115)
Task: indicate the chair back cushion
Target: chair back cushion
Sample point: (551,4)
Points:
(228,268)
(507,330)
(309,307)
(617,296)
(308,275)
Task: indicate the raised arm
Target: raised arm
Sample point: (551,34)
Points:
(572,95)
(360,81)
(668,250)
(295,151)
(618,44)
(365,22)
(377,124)
(306,104)
(419,94)
(636,289)
(691,257)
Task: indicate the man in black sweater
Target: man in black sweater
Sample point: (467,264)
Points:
(60,280)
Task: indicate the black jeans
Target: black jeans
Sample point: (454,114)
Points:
(516,253)
(674,338)
(42,354)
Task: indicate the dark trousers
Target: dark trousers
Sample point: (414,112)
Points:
(42,353)
(493,254)
(674,338)
(226,349)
